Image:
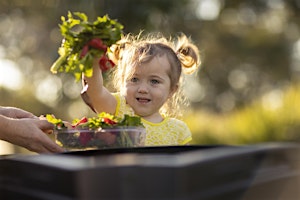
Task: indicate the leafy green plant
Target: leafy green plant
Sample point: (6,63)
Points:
(83,41)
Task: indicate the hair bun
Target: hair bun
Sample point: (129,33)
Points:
(116,50)
(188,54)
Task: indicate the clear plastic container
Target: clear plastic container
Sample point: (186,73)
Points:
(85,139)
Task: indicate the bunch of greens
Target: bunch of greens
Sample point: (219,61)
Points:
(102,120)
(83,41)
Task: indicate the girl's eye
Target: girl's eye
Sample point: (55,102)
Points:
(154,81)
(134,79)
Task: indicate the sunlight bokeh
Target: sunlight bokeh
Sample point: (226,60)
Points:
(77,110)
(10,76)
(295,66)
(208,9)
(48,89)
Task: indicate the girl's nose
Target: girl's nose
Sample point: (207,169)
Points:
(143,88)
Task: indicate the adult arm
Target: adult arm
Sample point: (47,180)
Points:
(28,133)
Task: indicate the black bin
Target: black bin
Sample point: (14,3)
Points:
(262,171)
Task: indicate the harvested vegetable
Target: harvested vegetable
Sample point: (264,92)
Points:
(83,41)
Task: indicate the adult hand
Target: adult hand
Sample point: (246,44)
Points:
(29,133)
(13,112)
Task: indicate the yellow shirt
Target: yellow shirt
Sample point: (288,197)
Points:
(170,131)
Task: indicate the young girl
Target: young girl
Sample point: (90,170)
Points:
(147,80)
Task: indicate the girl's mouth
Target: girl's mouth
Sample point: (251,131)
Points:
(143,100)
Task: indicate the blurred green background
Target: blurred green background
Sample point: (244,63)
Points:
(246,91)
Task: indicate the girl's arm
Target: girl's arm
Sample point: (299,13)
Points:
(100,97)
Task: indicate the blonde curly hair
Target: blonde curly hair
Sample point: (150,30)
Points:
(181,53)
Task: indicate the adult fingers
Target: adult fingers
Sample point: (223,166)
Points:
(46,145)
(44,125)
(49,146)
(52,147)
(19,113)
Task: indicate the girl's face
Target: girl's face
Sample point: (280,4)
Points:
(149,88)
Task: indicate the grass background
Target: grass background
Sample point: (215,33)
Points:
(268,119)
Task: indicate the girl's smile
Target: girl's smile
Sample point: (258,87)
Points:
(143,100)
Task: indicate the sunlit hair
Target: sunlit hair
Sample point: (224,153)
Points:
(132,51)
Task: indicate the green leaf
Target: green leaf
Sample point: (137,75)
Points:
(57,122)
(82,16)
(57,64)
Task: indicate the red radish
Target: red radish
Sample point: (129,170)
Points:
(85,137)
(109,121)
(81,121)
(105,63)
(84,51)
(108,138)
(97,44)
